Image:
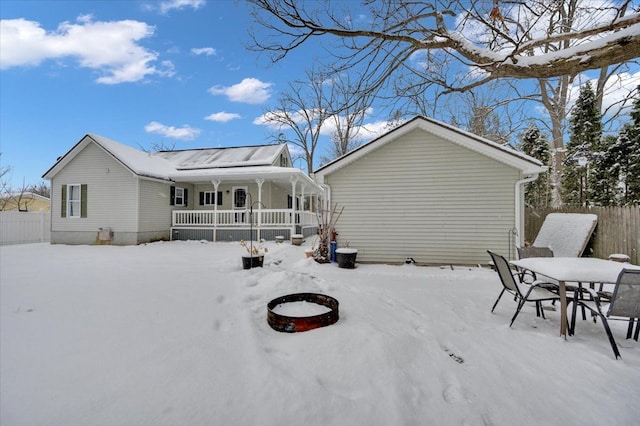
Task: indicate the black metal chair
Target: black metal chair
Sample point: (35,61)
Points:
(532,251)
(624,305)
(521,291)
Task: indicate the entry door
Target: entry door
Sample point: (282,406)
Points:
(240,202)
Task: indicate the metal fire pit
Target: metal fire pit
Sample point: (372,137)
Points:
(288,324)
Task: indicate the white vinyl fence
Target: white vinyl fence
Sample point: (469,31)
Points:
(25,227)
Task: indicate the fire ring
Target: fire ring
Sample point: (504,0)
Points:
(289,324)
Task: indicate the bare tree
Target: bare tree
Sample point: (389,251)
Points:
(503,40)
(41,188)
(303,110)
(349,107)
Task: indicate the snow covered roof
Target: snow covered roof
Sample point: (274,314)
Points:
(205,164)
(26,194)
(528,165)
(262,155)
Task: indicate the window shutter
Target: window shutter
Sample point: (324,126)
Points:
(172,196)
(63,202)
(201,198)
(83,200)
(186,200)
(219,201)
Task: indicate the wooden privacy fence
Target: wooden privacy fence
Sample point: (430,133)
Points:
(618,229)
(24,227)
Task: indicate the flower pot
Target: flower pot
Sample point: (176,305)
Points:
(296,239)
(249,262)
(346,257)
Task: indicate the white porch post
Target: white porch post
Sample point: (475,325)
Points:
(302,188)
(293,180)
(216,184)
(259,181)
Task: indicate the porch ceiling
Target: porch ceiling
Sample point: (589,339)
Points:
(279,175)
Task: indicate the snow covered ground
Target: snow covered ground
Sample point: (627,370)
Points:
(176,334)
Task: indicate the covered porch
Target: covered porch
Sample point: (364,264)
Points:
(253,208)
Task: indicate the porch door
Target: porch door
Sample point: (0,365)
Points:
(240,203)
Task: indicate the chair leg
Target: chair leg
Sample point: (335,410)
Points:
(630,327)
(574,312)
(497,300)
(612,341)
(520,305)
(637,333)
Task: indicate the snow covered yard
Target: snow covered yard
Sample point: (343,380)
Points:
(176,334)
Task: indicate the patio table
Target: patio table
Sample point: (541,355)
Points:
(573,269)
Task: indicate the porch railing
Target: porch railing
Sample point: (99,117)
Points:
(240,218)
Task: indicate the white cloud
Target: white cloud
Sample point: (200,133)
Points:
(111,48)
(249,90)
(186,133)
(209,51)
(222,117)
(167,5)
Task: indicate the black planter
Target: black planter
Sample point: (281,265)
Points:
(346,257)
(249,262)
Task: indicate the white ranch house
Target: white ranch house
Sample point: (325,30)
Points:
(106,192)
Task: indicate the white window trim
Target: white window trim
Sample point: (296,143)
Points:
(212,197)
(78,201)
(233,201)
(180,197)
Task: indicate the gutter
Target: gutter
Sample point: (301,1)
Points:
(518,193)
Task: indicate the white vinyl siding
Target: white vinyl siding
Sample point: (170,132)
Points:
(155,211)
(112,193)
(423,197)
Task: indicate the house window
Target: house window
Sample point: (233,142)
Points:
(208,198)
(178,196)
(283,160)
(74,200)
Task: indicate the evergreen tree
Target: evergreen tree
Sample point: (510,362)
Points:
(603,174)
(625,153)
(534,144)
(585,138)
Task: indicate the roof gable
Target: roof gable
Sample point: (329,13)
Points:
(518,160)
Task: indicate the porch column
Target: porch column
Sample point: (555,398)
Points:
(293,180)
(259,181)
(216,184)
(302,188)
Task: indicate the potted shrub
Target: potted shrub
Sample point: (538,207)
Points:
(255,255)
(346,257)
(326,231)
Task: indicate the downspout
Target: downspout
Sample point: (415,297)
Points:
(518,195)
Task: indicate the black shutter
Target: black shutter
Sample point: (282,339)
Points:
(83,200)
(186,199)
(63,202)
(219,198)
(172,196)
(201,198)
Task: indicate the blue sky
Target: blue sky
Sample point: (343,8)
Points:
(144,73)
(174,72)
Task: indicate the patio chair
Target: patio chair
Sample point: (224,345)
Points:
(521,291)
(623,306)
(532,251)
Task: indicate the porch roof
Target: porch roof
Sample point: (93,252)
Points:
(282,176)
